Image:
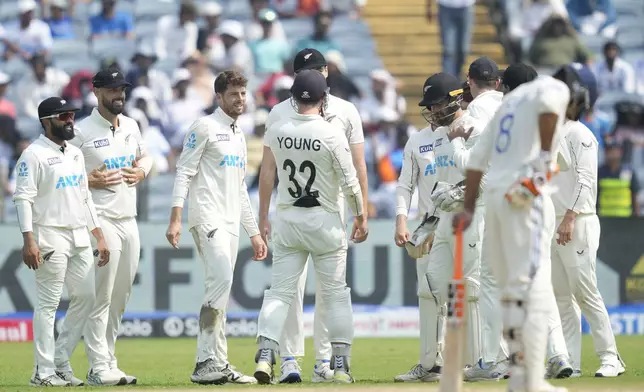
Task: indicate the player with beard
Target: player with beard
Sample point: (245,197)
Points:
(211,172)
(50,188)
(115,160)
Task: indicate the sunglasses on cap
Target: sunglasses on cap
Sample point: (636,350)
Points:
(65,116)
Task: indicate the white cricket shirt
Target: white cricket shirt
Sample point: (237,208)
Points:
(511,139)
(577,186)
(418,171)
(54,185)
(211,174)
(117,149)
(313,157)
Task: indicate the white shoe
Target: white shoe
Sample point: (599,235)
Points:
(322,372)
(49,381)
(495,372)
(237,377)
(207,373)
(610,370)
(290,372)
(105,377)
(558,367)
(131,380)
(68,376)
(420,374)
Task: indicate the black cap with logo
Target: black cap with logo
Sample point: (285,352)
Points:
(308,59)
(438,87)
(309,86)
(517,74)
(53,106)
(109,78)
(484,69)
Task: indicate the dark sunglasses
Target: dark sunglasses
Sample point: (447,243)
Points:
(66,116)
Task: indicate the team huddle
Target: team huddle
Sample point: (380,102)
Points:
(515,169)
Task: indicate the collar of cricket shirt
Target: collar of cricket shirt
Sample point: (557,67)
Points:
(226,120)
(96,115)
(53,145)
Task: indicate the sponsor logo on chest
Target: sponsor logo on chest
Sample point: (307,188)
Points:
(53,161)
(101,143)
(223,137)
(426,148)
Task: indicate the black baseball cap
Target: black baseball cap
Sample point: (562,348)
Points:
(517,74)
(309,86)
(53,106)
(308,58)
(109,78)
(439,87)
(483,69)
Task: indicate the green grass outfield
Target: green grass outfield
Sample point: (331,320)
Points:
(167,364)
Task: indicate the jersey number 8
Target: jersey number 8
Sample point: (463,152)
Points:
(503,139)
(297,192)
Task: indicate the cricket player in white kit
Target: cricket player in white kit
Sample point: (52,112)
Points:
(314,161)
(211,173)
(55,211)
(519,145)
(344,115)
(574,247)
(115,162)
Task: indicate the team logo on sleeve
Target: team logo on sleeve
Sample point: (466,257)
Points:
(426,148)
(101,143)
(127,139)
(223,137)
(192,141)
(23,171)
(53,161)
(438,142)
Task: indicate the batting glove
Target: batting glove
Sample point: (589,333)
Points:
(531,183)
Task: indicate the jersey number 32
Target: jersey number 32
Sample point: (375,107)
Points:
(296,190)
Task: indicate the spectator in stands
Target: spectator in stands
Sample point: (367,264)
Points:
(456,20)
(27,36)
(384,95)
(254,27)
(158,81)
(208,40)
(59,22)
(320,39)
(7,108)
(202,78)
(176,35)
(593,17)
(339,83)
(238,55)
(599,123)
(524,22)
(614,73)
(618,185)
(275,89)
(638,67)
(143,99)
(44,81)
(295,8)
(269,52)
(184,109)
(156,144)
(556,44)
(353,8)
(80,84)
(112,23)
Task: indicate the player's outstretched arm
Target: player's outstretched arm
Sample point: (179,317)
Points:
(266,184)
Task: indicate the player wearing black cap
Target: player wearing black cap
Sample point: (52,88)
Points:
(314,164)
(344,115)
(51,172)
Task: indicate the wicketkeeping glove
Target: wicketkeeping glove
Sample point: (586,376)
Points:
(418,244)
(532,182)
(448,197)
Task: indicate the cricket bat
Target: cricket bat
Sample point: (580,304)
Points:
(456,335)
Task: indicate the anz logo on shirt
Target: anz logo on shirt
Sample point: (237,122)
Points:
(119,162)
(23,171)
(69,181)
(232,161)
(192,141)
(441,161)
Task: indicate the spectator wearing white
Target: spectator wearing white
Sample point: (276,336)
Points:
(184,109)
(27,36)
(349,7)
(269,53)
(158,81)
(638,67)
(254,29)
(43,81)
(614,73)
(384,93)
(202,78)
(524,22)
(176,35)
(238,55)
(155,143)
(209,42)
(150,107)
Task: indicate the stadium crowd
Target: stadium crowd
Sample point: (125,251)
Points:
(172,64)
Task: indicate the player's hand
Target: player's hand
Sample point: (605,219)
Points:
(133,175)
(31,254)
(460,131)
(173,234)
(103,253)
(101,178)
(360,230)
(464,217)
(402,235)
(265,229)
(259,246)
(566,227)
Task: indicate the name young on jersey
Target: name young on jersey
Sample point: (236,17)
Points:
(299,143)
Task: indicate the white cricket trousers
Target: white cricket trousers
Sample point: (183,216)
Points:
(113,285)
(575,284)
(67,260)
(297,234)
(436,270)
(517,246)
(218,252)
